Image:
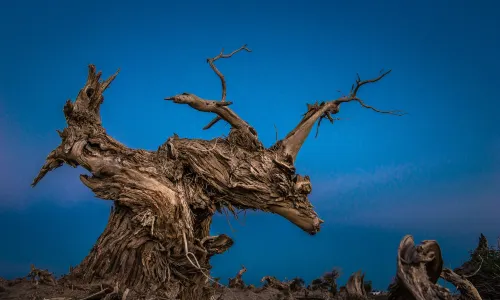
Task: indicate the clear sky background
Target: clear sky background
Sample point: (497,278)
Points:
(434,173)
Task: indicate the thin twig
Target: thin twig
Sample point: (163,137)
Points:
(211,62)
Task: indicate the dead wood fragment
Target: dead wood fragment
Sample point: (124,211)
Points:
(355,288)
(237,282)
(418,270)
(39,276)
(273,282)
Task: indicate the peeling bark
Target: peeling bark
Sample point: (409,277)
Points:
(157,239)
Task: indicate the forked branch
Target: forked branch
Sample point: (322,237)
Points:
(218,107)
(211,62)
(294,140)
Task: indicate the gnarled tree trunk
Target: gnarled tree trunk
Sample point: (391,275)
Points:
(157,239)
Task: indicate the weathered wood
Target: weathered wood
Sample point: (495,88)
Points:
(418,270)
(157,239)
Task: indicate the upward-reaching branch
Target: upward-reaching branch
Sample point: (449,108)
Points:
(294,140)
(217,107)
(211,62)
(245,132)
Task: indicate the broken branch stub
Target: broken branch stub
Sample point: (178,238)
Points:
(237,282)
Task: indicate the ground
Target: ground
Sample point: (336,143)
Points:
(25,289)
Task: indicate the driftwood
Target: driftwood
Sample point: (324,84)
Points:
(157,239)
(418,270)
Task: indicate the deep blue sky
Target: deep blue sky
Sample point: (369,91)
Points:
(434,173)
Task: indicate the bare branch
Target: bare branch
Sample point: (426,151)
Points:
(479,268)
(217,107)
(294,140)
(465,287)
(329,119)
(360,83)
(211,61)
(390,112)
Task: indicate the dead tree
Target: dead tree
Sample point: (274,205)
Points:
(418,270)
(157,239)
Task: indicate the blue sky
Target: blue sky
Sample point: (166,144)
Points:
(434,173)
